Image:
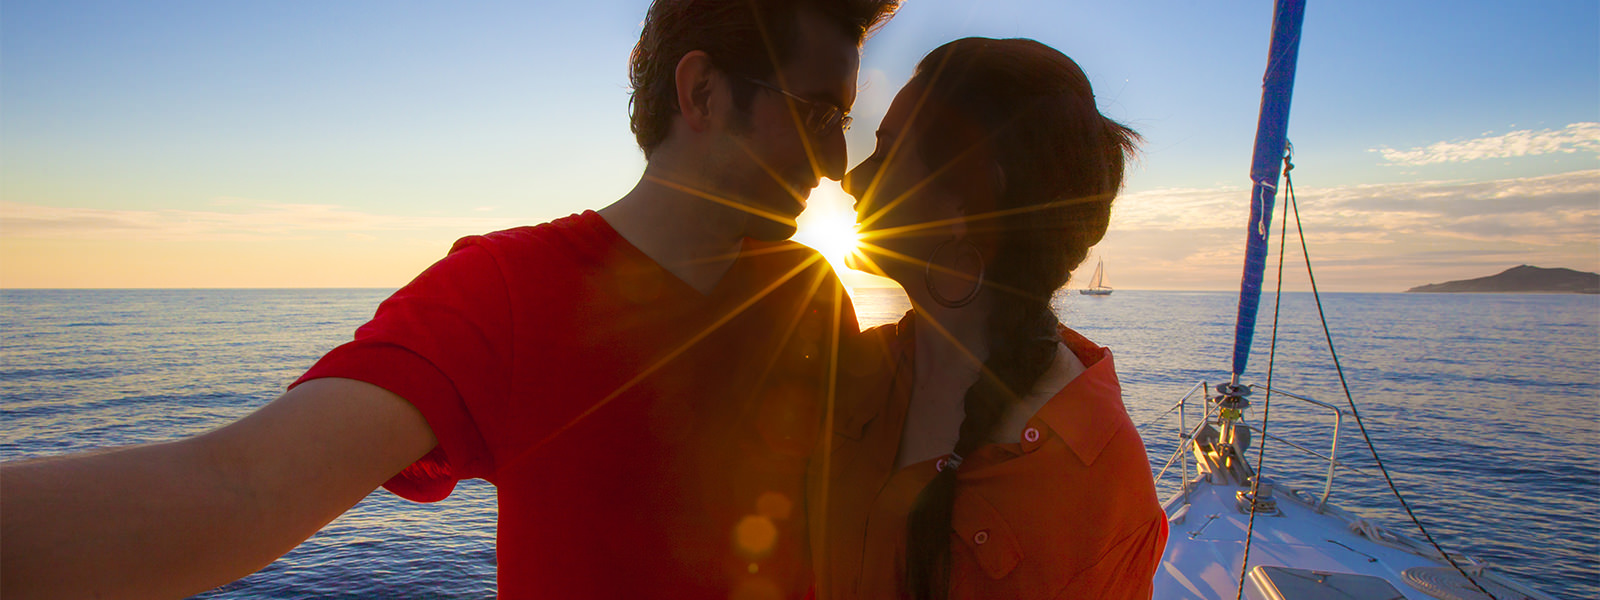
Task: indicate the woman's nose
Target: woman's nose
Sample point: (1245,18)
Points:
(855,182)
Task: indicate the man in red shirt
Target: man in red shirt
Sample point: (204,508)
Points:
(643,384)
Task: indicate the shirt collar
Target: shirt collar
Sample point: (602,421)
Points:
(874,370)
(1088,412)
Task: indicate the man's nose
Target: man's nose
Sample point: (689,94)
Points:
(834,160)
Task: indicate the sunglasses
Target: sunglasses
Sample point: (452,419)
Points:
(821,117)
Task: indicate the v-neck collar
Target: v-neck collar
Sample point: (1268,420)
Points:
(678,286)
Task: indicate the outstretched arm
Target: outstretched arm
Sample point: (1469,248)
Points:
(172,519)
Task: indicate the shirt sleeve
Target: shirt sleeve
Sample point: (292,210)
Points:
(1127,571)
(442,343)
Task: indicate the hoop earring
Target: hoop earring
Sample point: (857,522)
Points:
(933,291)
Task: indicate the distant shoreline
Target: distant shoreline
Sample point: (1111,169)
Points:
(1521,279)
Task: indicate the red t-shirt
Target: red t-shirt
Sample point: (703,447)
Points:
(645,440)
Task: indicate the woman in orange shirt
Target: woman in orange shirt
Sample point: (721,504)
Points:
(981,448)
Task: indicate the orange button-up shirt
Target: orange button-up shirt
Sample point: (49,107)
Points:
(1069,510)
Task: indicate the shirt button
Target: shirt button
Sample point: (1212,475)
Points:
(981,537)
(1030,434)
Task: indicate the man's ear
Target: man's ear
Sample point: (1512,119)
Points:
(696,77)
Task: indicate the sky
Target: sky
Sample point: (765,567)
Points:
(346,144)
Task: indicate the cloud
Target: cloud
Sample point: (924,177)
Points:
(1373,236)
(1577,137)
(1534,210)
(1563,203)
(255,222)
(1182,209)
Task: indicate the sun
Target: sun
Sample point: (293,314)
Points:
(828,225)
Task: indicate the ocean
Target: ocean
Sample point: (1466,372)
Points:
(1485,409)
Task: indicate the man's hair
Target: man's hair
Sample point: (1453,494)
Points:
(743,37)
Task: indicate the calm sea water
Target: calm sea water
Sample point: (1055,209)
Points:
(1486,409)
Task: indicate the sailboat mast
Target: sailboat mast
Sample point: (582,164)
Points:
(1266,165)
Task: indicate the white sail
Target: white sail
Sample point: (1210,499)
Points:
(1097,283)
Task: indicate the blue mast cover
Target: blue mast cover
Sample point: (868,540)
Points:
(1265,167)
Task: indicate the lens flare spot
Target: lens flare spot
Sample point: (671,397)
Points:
(755,535)
(775,506)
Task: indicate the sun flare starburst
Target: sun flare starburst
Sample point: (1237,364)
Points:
(828,225)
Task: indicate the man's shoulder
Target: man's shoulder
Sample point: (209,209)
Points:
(565,247)
(784,255)
(578,231)
(874,349)
(795,270)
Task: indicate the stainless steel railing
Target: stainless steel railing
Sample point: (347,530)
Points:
(1187,438)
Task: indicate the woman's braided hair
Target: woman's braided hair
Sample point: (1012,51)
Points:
(1021,119)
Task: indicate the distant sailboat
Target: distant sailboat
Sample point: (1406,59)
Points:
(1097,284)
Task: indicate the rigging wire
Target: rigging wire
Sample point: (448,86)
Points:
(1141,426)
(1327,333)
(1266,400)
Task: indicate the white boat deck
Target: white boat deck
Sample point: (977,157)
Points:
(1206,546)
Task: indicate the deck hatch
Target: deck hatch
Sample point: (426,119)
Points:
(1284,583)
